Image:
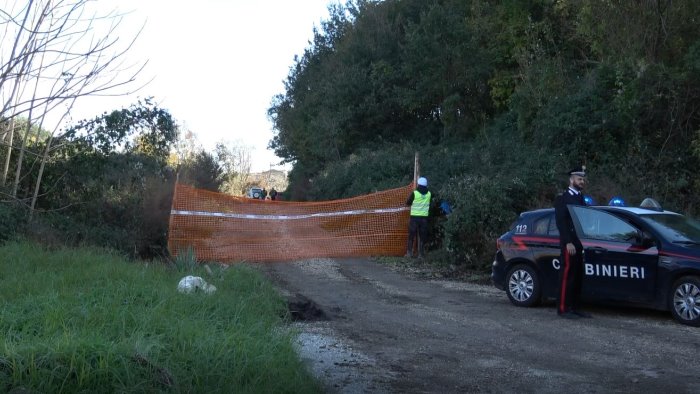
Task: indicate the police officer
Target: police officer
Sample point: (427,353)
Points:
(571,270)
(419,201)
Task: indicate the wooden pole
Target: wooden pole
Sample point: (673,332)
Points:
(171,244)
(416,169)
(416,174)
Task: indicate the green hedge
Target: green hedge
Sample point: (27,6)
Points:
(12,221)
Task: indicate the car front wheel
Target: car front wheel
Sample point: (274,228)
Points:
(523,287)
(685,300)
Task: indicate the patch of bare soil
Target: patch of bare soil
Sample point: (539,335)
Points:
(303,309)
(430,269)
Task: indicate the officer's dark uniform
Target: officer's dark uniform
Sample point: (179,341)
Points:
(571,270)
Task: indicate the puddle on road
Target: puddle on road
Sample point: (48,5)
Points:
(335,363)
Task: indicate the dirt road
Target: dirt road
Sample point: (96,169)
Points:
(387,332)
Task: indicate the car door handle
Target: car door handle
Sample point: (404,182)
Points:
(597,250)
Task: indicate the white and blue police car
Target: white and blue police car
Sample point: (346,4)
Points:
(642,256)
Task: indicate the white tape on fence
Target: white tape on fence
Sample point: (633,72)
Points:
(288,217)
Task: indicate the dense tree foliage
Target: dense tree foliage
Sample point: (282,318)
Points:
(500,98)
(108,182)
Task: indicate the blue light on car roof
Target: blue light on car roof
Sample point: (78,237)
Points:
(617,202)
(588,200)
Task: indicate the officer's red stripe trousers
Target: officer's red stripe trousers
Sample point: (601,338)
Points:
(564,279)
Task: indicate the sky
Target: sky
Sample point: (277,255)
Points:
(215,64)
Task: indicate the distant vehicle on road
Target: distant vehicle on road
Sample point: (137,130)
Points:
(255,192)
(633,256)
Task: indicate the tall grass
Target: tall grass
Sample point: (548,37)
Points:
(88,321)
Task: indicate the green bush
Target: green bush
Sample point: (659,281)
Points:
(367,171)
(12,220)
(481,212)
(120,201)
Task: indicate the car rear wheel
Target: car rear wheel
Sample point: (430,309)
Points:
(685,300)
(523,286)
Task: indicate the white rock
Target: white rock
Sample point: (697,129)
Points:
(209,288)
(191,284)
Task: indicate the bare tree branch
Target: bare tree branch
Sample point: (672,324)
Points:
(61,51)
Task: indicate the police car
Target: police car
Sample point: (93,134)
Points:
(647,257)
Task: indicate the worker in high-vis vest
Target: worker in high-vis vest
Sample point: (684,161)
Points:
(419,201)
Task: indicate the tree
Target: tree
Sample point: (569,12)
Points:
(116,148)
(202,171)
(381,72)
(235,161)
(184,147)
(142,128)
(107,181)
(13,129)
(54,53)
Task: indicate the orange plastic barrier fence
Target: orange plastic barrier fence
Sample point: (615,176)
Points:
(224,228)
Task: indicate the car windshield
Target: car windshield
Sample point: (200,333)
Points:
(675,228)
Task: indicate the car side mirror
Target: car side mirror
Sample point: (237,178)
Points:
(645,240)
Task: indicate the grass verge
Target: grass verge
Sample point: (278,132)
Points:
(86,320)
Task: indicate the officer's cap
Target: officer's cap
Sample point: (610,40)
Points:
(580,171)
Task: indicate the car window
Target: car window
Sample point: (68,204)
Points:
(675,228)
(604,226)
(542,225)
(552,230)
(546,225)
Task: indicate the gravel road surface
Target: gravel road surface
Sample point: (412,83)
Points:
(376,330)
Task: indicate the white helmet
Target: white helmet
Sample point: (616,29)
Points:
(422,181)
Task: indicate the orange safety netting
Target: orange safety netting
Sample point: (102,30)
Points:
(224,228)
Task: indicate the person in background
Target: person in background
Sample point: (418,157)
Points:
(273,194)
(571,270)
(419,201)
(263,195)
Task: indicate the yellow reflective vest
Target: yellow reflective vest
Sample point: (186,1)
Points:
(421,204)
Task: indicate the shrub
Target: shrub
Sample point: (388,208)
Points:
(481,211)
(186,261)
(365,172)
(12,220)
